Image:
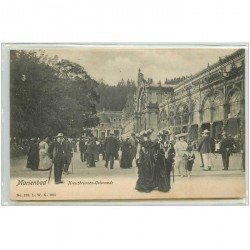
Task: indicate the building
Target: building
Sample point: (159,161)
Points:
(212,99)
(109,121)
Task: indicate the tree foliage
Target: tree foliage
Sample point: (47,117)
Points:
(48,96)
(116,97)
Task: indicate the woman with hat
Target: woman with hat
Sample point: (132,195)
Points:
(146,164)
(45,162)
(134,144)
(33,155)
(162,173)
(170,155)
(91,151)
(180,152)
(127,157)
(190,159)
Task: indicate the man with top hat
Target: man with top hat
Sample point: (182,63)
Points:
(206,148)
(57,153)
(111,147)
(226,148)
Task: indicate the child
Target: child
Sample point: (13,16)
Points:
(189,159)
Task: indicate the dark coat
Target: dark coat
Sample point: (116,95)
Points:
(226,145)
(127,157)
(207,145)
(68,149)
(92,147)
(82,146)
(33,156)
(111,146)
(190,161)
(146,167)
(162,169)
(57,151)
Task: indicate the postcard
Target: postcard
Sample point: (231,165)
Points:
(124,122)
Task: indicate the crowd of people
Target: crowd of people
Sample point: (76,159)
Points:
(42,154)
(155,159)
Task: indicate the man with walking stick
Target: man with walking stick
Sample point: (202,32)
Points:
(57,153)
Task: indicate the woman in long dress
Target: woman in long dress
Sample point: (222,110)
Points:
(91,151)
(45,162)
(126,158)
(33,155)
(180,153)
(162,173)
(146,164)
(170,154)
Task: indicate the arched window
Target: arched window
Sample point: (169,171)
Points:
(171,118)
(218,113)
(178,116)
(182,115)
(195,116)
(163,115)
(207,111)
(234,104)
(185,115)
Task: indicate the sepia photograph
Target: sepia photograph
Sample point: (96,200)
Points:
(126,122)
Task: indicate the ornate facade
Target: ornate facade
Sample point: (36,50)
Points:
(211,99)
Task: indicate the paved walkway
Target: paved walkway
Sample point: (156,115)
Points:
(101,183)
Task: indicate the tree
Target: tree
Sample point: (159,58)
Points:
(49,96)
(114,97)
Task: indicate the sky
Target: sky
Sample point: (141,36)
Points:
(113,64)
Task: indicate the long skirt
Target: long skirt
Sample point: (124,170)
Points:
(33,159)
(91,160)
(45,162)
(145,182)
(126,159)
(162,175)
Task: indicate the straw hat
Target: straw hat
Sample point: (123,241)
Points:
(181,135)
(142,133)
(206,131)
(59,135)
(149,131)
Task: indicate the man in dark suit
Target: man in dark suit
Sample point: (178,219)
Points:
(111,149)
(206,148)
(82,149)
(57,153)
(226,148)
(68,155)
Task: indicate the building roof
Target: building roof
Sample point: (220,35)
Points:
(103,118)
(221,61)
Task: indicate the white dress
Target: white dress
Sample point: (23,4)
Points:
(44,160)
(180,149)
